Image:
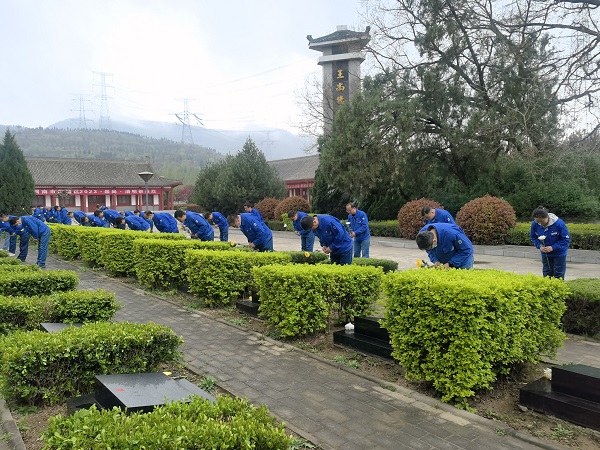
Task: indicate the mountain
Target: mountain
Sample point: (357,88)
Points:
(274,143)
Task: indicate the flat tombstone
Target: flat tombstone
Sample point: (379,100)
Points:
(143,391)
(52,327)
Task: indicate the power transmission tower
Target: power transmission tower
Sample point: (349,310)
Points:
(82,120)
(184,119)
(268,143)
(104,117)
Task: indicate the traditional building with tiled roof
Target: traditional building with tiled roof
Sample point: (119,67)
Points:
(298,174)
(81,184)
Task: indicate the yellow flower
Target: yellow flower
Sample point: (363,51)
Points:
(232,244)
(419,263)
(306,254)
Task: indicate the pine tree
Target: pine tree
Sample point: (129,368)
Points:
(16,183)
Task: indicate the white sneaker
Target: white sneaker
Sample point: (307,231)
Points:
(11,254)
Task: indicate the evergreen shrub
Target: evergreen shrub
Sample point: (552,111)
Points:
(486,220)
(307,257)
(583,307)
(38,367)
(160,263)
(10,262)
(3,254)
(88,241)
(583,236)
(32,281)
(276,225)
(387,265)
(410,220)
(218,277)
(64,238)
(27,313)
(460,329)
(299,300)
(386,228)
(267,207)
(288,204)
(231,423)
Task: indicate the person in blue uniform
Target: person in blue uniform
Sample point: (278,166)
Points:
(30,226)
(120,223)
(197,224)
(434,215)
(251,210)
(221,221)
(447,245)
(38,212)
(10,241)
(61,215)
(164,222)
(307,237)
(333,237)
(99,220)
(359,230)
(137,223)
(110,215)
(551,235)
(258,234)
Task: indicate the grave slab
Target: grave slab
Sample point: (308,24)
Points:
(143,391)
(52,327)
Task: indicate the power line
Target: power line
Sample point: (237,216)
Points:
(104,122)
(82,120)
(184,119)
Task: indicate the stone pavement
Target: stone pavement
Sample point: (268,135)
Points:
(332,406)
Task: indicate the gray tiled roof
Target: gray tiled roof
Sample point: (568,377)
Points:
(340,35)
(65,172)
(302,168)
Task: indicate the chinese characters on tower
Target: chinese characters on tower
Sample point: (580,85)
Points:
(340,84)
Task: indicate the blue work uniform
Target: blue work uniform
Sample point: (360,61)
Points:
(111,215)
(30,226)
(137,223)
(10,242)
(453,246)
(307,237)
(199,226)
(441,216)
(256,232)
(165,223)
(359,224)
(333,234)
(221,221)
(556,235)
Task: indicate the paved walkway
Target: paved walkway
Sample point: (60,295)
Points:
(330,405)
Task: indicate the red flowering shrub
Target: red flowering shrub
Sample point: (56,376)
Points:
(486,220)
(291,204)
(267,208)
(410,220)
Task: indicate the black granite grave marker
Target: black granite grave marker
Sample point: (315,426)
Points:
(143,391)
(368,336)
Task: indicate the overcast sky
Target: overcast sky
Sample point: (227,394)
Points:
(241,61)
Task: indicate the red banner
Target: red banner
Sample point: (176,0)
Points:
(96,191)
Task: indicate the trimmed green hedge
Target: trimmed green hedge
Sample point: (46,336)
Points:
(583,307)
(385,228)
(38,367)
(3,254)
(218,277)
(63,307)
(9,262)
(299,257)
(32,281)
(386,264)
(583,236)
(298,300)
(65,241)
(277,225)
(89,243)
(117,249)
(459,329)
(161,264)
(228,423)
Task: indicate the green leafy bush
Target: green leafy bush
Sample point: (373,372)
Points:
(387,228)
(583,307)
(9,262)
(117,252)
(410,220)
(459,329)
(299,300)
(36,282)
(64,238)
(161,263)
(3,254)
(88,241)
(386,264)
(231,423)
(267,207)
(218,277)
(63,307)
(307,257)
(486,220)
(19,267)
(38,367)
(583,236)
(276,225)
(288,204)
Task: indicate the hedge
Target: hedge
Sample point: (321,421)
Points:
(386,264)
(36,282)
(459,329)
(161,263)
(88,241)
(298,300)
(385,228)
(9,262)
(218,277)
(117,253)
(583,236)
(583,307)
(228,423)
(38,367)
(299,257)
(28,313)
(64,238)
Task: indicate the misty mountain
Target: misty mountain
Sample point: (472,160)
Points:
(274,143)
